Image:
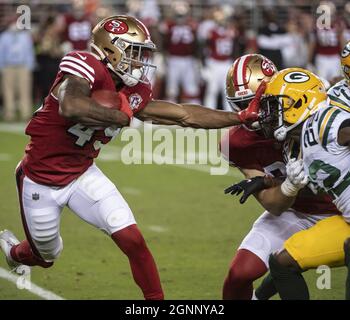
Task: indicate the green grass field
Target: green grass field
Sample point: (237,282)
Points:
(192,229)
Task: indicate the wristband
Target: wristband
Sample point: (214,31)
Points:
(289,189)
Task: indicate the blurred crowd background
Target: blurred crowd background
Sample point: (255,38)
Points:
(197,42)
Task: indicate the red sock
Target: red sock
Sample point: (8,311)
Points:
(23,253)
(143,267)
(245,268)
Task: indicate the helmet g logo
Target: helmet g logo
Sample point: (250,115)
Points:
(296,77)
(116,27)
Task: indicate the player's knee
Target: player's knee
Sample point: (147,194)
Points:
(284,259)
(50,251)
(237,276)
(246,267)
(130,240)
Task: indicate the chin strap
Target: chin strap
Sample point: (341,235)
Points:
(102,56)
(280,134)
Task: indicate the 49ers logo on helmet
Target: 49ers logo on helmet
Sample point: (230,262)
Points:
(267,68)
(116,27)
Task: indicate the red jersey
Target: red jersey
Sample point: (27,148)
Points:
(221,41)
(180,38)
(249,150)
(60,150)
(77,31)
(328,41)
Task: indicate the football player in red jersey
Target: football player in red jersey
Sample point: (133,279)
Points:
(259,159)
(325,44)
(180,44)
(75,27)
(220,45)
(66,135)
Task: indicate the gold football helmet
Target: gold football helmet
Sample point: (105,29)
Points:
(244,77)
(124,44)
(291,96)
(345,61)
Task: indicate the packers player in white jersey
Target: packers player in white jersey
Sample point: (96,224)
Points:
(339,94)
(295,107)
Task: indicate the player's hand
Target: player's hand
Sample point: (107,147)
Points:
(296,178)
(250,114)
(124,105)
(248,187)
(296,173)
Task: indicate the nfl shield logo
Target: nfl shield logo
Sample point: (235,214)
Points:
(135,100)
(35,196)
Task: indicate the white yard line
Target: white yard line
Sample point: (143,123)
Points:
(158,229)
(131,191)
(5,157)
(38,291)
(112,153)
(13,127)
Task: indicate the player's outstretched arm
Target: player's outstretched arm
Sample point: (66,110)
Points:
(75,103)
(271,197)
(187,115)
(191,115)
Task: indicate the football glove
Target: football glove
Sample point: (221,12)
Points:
(296,178)
(248,187)
(250,114)
(124,105)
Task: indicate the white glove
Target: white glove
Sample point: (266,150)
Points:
(296,178)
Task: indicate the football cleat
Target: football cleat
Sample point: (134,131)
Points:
(7,241)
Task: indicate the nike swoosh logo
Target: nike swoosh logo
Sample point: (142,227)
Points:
(81,57)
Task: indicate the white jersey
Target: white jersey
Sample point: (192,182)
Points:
(339,95)
(326,162)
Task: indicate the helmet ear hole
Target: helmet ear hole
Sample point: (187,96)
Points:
(298,104)
(108,50)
